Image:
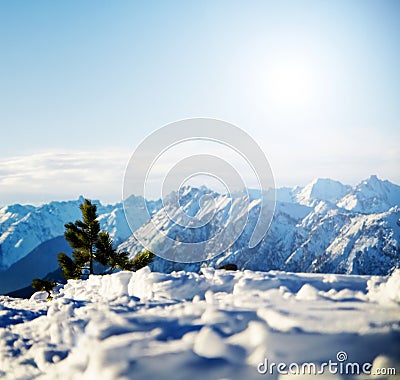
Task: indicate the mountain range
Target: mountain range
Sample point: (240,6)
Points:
(324,226)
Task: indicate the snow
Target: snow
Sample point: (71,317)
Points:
(211,325)
(387,291)
(322,189)
(371,196)
(39,296)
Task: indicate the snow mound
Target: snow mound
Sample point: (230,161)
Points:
(39,297)
(307,293)
(387,291)
(147,285)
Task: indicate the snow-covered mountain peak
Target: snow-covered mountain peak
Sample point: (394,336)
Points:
(188,200)
(191,190)
(371,195)
(322,189)
(8,213)
(373,178)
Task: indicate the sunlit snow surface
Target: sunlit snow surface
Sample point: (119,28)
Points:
(216,325)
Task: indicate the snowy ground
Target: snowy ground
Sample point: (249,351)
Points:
(218,325)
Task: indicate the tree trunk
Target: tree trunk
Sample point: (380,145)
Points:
(91,258)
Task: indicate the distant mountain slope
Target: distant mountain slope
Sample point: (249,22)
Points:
(309,231)
(36,264)
(324,226)
(23,228)
(372,196)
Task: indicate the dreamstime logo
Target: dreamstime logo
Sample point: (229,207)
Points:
(341,356)
(196,225)
(339,366)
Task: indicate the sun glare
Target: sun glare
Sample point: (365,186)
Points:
(291,85)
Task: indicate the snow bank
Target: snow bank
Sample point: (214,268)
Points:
(147,285)
(39,297)
(387,291)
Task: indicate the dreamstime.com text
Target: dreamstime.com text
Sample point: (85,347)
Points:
(339,366)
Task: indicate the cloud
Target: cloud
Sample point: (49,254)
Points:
(42,177)
(59,175)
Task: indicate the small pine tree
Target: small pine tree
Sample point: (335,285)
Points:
(229,266)
(142,259)
(43,286)
(104,248)
(69,268)
(89,243)
(121,260)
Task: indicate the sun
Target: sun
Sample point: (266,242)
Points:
(291,84)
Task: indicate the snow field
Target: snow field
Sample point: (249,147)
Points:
(213,325)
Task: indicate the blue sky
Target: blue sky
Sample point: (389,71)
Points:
(316,83)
